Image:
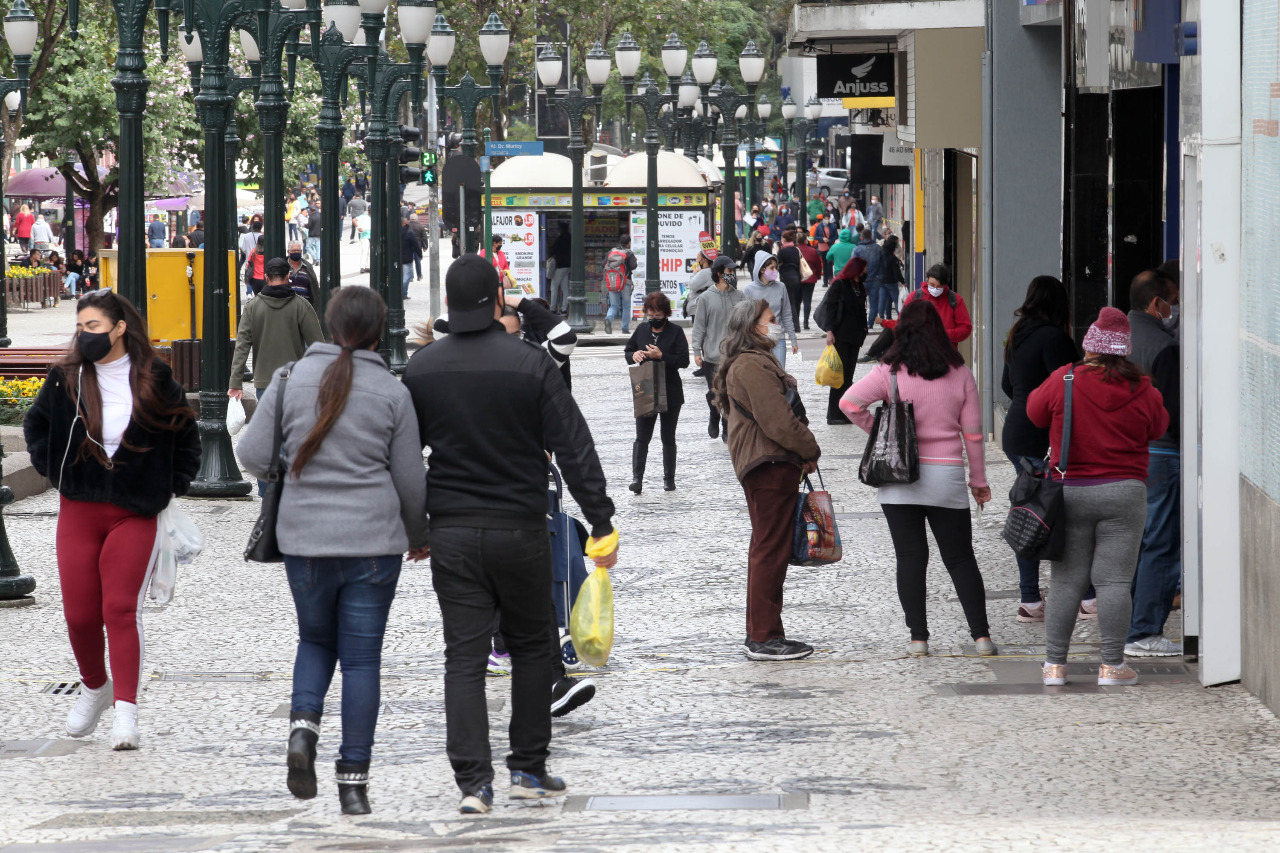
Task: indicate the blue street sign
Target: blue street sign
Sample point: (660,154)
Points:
(484,164)
(512,149)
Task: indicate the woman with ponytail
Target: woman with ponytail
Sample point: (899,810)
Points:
(113,432)
(353,502)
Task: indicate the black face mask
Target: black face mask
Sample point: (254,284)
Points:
(93,346)
(658,323)
(295,256)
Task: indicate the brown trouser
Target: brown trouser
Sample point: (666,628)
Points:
(771,491)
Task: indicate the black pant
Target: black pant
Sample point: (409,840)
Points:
(952,529)
(848,352)
(806,302)
(644,434)
(479,574)
(828,269)
(793,293)
(557,661)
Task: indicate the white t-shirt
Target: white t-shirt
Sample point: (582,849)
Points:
(117,401)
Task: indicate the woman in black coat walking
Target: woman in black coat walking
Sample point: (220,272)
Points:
(845,319)
(1038,344)
(789,271)
(658,340)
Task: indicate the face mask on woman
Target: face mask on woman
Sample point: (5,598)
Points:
(657,322)
(935,292)
(775,333)
(93,346)
(769,275)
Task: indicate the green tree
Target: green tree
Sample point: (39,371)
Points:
(74,112)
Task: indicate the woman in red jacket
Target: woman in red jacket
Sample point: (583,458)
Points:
(937,291)
(1116,413)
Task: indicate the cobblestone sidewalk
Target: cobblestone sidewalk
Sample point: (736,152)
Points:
(856,748)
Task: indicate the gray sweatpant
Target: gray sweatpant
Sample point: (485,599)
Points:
(1104,535)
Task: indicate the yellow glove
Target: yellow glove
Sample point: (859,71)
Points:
(597,548)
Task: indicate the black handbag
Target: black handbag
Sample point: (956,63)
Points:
(263,547)
(892,455)
(1034,528)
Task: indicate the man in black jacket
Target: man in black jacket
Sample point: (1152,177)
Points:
(490,406)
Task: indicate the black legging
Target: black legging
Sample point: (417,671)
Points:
(806,302)
(848,353)
(644,433)
(952,529)
(709,373)
(793,293)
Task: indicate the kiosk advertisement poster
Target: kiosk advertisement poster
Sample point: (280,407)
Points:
(519,232)
(678,247)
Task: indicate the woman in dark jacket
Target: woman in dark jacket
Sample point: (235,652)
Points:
(658,340)
(789,272)
(894,277)
(1038,344)
(846,319)
(112,430)
(811,257)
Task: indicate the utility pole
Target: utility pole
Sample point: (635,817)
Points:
(433,216)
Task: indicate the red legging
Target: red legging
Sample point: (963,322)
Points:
(103,553)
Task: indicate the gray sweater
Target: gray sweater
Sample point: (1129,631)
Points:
(364,492)
(712,320)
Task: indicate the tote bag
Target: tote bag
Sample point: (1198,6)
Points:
(892,455)
(816,537)
(648,388)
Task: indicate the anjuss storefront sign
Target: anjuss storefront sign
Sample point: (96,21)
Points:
(859,80)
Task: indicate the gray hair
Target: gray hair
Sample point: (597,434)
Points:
(297,243)
(740,336)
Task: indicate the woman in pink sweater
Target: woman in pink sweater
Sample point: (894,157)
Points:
(931,374)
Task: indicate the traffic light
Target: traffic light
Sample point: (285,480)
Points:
(428,171)
(409,153)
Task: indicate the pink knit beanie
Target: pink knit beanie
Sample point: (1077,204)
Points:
(1109,334)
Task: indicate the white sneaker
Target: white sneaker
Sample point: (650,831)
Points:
(124,728)
(1155,646)
(89,706)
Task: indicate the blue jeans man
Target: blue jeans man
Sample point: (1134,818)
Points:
(313,248)
(406,276)
(1160,562)
(620,302)
(156,244)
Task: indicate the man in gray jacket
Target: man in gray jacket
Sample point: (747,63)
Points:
(709,324)
(355,207)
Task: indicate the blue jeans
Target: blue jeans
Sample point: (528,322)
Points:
(880,297)
(620,301)
(156,244)
(780,352)
(342,605)
(313,248)
(1028,570)
(406,276)
(70,281)
(1160,562)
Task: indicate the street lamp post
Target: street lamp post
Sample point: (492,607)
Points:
(495,40)
(754,129)
(265,40)
(751,64)
(575,105)
(812,111)
(788,115)
(213,21)
(20,31)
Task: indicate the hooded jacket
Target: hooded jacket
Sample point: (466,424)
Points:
(712,321)
(1111,425)
(1037,350)
(775,294)
(277,326)
(840,253)
(698,285)
(955,320)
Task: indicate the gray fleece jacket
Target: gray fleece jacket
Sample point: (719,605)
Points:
(364,492)
(712,320)
(775,294)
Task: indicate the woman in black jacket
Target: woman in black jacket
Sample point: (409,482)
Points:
(658,340)
(112,430)
(1038,344)
(789,271)
(845,316)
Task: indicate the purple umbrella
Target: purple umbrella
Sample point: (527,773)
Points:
(42,183)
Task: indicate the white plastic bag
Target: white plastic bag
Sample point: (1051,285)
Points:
(235,415)
(178,542)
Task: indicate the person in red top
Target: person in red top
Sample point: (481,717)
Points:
(937,291)
(1115,414)
(814,260)
(22,227)
(500,258)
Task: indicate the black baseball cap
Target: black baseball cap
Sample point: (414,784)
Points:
(471,287)
(724,262)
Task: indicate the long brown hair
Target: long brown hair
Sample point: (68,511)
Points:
(1115,369)
(920,343)
(740,336)
(355,317)
(150,409)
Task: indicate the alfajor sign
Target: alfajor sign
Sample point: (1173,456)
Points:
(859,80)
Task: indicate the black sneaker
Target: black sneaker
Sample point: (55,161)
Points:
(478,802)
(570,693)
(526,786)
(776,649)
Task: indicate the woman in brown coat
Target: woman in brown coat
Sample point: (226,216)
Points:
(771,449)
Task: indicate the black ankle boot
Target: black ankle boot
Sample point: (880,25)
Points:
(713,428)
(669,468)
(638,458)
(304,731)
(353,787)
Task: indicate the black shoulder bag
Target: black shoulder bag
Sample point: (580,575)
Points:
(892,454)
(1034,528)
(263,547)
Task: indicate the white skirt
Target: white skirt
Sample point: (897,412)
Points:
(939,485)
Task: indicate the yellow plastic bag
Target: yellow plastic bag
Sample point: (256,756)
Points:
(830,370)
(591,622)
